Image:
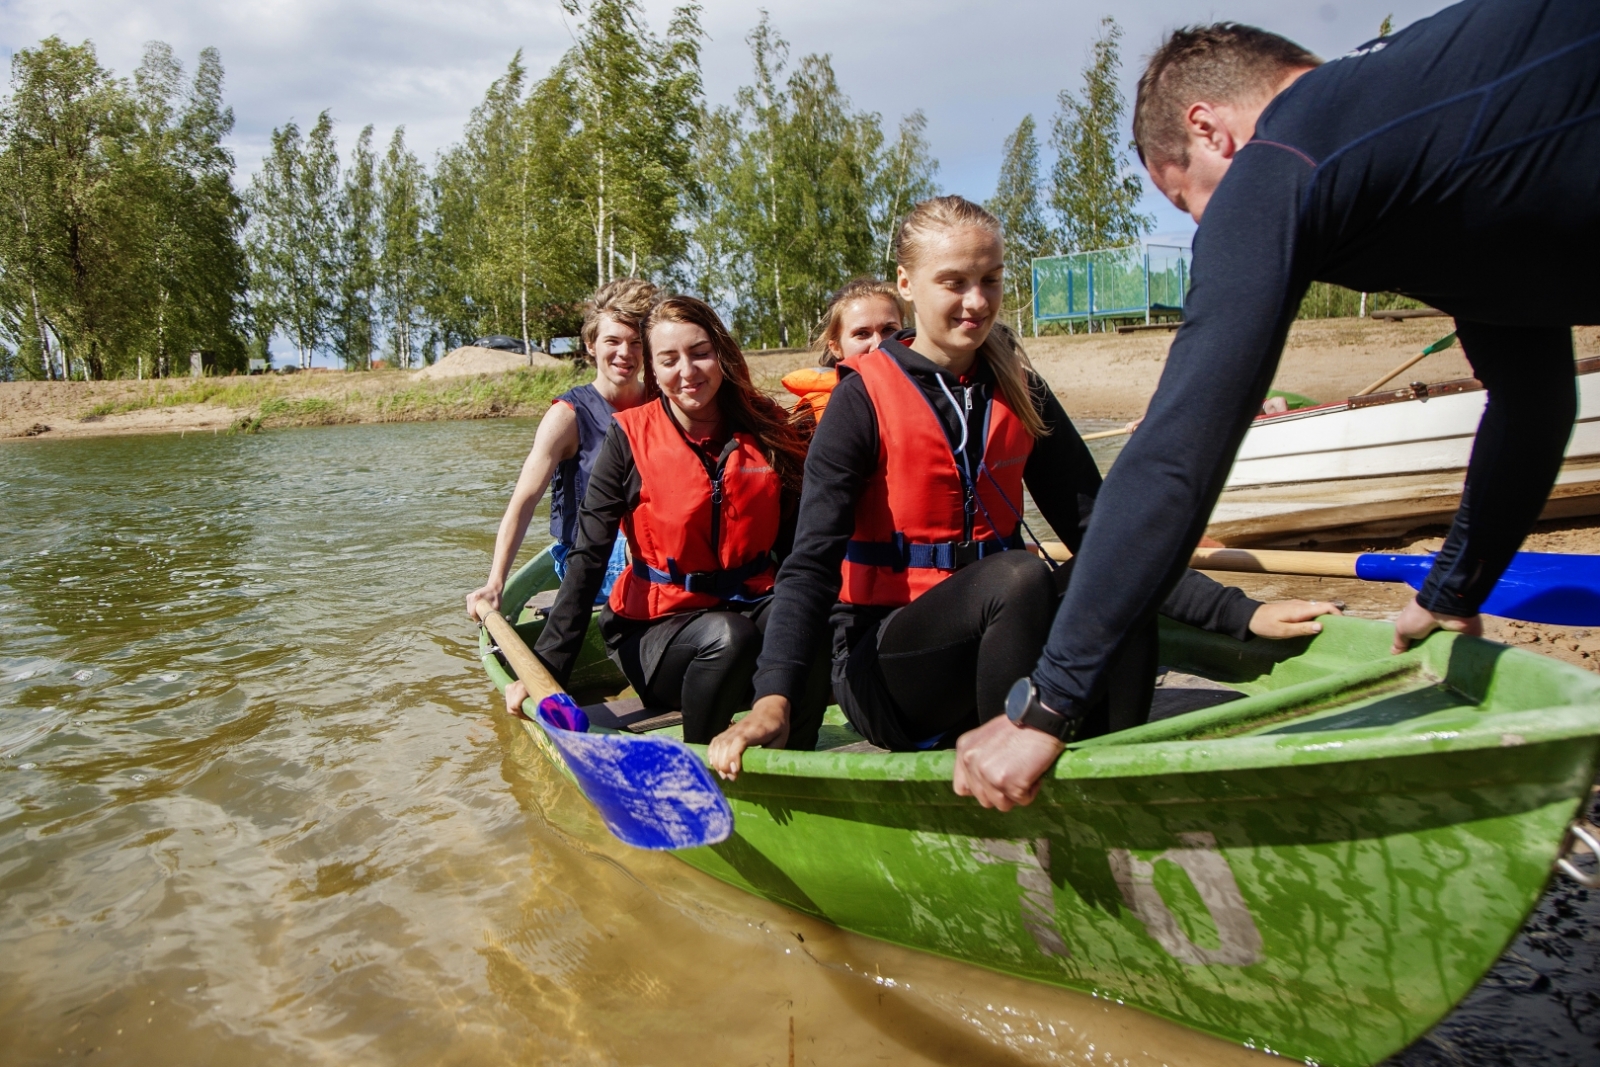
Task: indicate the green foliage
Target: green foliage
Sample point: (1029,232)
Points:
(1094,189)
(1324,300)
(401,266)
(799,193)
(1019,205)
(357,270)
(293,235)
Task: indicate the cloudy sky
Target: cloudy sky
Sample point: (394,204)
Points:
(974,68)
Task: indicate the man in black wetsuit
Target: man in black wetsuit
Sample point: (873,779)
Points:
(1457,162)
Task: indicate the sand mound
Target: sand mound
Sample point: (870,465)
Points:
(470,359)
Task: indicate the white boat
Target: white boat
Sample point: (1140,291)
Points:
(1383,464)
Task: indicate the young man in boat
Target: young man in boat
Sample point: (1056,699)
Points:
(1433,163)
(909,555)
(702,479)
(569,436)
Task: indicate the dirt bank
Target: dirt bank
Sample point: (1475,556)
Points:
(1113,375)
(47,410)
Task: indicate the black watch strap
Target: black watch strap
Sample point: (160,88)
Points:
(1024,708)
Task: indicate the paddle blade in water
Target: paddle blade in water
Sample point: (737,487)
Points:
(1548,587)
(652,792)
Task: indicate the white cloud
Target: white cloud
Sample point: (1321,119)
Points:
(974,69)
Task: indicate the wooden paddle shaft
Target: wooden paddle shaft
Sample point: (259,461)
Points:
(1271,561)
(1401,369)
(1251,561)
(529,669)
(1105,433)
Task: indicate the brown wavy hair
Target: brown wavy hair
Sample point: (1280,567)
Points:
(832,325)
(1000,348)
(743,405)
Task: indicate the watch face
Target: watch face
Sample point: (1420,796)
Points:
(1018,699)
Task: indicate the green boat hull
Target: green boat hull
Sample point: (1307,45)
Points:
(1321,869)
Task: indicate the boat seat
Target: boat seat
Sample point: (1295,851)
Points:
(629,713)
(1178,693)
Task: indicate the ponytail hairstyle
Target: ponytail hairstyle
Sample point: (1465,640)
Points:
(743,405)
(1000,348)
(829,331)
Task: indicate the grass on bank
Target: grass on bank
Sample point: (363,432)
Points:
(319,401)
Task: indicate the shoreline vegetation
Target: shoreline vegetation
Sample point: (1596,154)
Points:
(1096,376)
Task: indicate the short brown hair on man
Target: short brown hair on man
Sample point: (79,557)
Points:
(1221,63)
(626,300)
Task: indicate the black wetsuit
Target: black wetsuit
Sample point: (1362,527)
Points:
(916,676)
(699,661)
(1458,162)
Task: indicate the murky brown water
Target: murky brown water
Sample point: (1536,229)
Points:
(255,806)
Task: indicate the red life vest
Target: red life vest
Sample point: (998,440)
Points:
(912,517)
(697,539)
(813,385)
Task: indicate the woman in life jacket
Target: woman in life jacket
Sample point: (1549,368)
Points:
(702,479)
(909,553)
(860,315)
(569,436)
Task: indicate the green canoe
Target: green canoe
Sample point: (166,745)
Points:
(1321,867)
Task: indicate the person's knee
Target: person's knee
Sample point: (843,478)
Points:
(728,637)
(1025,578)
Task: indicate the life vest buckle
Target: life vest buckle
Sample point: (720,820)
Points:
(965,553)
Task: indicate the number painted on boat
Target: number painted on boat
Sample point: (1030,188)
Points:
(1212,878)
(1038,901)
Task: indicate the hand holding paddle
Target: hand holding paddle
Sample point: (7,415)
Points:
(652,792)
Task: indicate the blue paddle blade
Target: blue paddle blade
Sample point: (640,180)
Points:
(1548,587)
(652,792)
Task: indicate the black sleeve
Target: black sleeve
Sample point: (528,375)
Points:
(1210,605)
(1157,499)
(843,454)
(1061,475)
(613,492)
(1522,438)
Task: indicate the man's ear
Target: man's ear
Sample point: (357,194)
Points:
(1208,131)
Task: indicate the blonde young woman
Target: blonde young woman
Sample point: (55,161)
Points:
(860,316)
(569,436)
(909,553)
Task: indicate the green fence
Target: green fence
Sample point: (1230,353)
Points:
(1112,283)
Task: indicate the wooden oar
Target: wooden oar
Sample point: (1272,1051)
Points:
(1106,433)
(652,792)
(1440,345)
(1548,587)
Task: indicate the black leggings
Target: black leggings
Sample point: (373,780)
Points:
(948,658)
(706,670)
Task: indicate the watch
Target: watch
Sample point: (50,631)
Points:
(1024,708)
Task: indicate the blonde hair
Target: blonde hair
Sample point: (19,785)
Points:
(626,300)
(829,331)
(1000,349)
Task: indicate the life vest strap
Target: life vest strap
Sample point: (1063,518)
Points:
(900,554)
(724,585)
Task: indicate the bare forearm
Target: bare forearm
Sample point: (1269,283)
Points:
(508,541)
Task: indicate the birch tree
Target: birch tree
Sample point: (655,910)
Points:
(1019,205)
(1094,188)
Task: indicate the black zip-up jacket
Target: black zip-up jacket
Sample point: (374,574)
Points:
(1060,475)
(1458,162)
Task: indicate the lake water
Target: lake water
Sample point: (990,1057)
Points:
(257,807)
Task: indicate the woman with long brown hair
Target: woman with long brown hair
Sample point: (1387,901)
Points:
(703,479)
(908,554)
